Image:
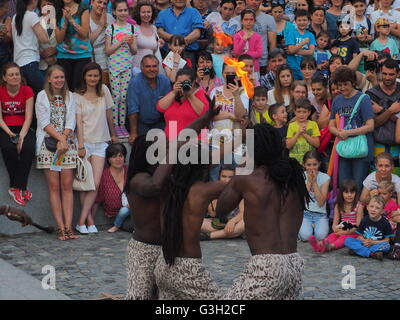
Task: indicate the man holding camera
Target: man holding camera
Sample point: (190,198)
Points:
(386,105)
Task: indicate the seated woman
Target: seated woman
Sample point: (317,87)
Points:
(384,164)
(111,190)
(17,140)
(212,228)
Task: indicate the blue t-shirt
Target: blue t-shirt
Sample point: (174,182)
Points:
(188,20)
(344,107)
(293,38)
(347,48)
(320,57)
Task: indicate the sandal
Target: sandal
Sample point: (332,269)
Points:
(70,234)
(61,235)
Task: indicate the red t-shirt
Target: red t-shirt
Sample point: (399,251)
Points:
(13,108)
(183,114)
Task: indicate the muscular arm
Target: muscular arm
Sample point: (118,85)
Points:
(229,199)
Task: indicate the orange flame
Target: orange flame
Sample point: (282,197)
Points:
(223,39)
(247,84)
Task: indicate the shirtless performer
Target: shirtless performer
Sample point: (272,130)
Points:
(274,196)
(179,272)
(144,192)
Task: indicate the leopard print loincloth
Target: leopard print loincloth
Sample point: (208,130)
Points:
(140,262)
(187,279)
(269,277)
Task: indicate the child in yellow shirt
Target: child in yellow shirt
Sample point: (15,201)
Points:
(303,134)
(259,110)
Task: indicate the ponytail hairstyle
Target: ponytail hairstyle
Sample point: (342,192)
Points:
(48,88)
(312,154)
(347,185)
(182,178)
(19,17)
(286,172)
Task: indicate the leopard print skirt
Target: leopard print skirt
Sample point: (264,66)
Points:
(187,279)
(140,262)
(269,277)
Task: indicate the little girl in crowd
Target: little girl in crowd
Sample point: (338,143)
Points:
(175,59)
(248,41)
(348,214)
(315,219)
(120,48)
(385,190)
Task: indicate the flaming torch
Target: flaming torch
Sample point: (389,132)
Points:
(248,86)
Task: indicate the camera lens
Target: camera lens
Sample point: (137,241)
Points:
(186,85)
(206,71)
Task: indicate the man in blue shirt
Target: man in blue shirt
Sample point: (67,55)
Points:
(184,21)
(144,91)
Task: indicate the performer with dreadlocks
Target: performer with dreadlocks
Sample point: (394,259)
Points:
(145,188)
(275,196)
(179,272)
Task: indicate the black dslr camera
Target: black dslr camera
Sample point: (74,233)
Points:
(206,71)
(370,65)
(186,85)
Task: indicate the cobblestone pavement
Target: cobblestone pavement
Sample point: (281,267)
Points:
(96,263)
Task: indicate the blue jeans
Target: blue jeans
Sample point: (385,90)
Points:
(356,169)
(123,213)
(34,77)
(316,223)
(363,251)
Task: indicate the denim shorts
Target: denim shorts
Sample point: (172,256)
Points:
(96,149)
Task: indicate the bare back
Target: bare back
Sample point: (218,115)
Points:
(199,197)
(272,223)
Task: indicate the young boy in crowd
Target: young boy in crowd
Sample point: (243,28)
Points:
(279,116)
(259,110)
(302,134)
(363,29)
(383,42)
(345,46)
(249,68)
(374,232)
(300,43)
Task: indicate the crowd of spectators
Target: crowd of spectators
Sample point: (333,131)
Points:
(79,77)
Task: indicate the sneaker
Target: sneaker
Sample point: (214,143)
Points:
(124,132)
(394,254)
(81,229)
(92,229)
(26,195)
(17,196)
(118,131)
(204,236)
(377,255)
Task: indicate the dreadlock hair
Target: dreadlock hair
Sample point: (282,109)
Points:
(286,172)
(137,159)
(183,176)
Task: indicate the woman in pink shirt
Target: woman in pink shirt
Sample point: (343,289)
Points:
(247,40)
(184,104)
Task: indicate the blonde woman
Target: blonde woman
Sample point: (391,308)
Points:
(55,112)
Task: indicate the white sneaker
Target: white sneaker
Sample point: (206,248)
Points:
(92,229)
(82,229)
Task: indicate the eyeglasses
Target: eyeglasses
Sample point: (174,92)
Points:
(384,26)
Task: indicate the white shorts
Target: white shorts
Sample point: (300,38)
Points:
(96,149)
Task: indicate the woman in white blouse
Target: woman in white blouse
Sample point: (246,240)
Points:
(94,129)
(55,113)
